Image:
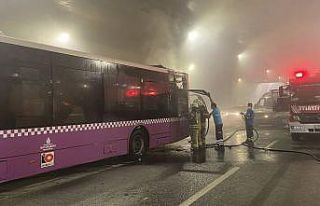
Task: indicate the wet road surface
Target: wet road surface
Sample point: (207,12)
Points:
(239,176)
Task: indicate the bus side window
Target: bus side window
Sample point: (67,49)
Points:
(127,98)
(155,94)
(25,93)
(182,94)
(110,72)
(78,95)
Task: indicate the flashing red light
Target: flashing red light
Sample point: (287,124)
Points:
(299,75)
(132,93)
(305,76)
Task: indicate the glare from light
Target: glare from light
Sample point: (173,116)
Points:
(101,62)
(239,80)
(237,114)
(63,38)
(193,35)
(299,74)
(231,114)
(279,77)
(191,67)
(105,63)
(266,116)
(241,56)
(268,71)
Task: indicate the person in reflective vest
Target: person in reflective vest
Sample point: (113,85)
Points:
(218,124)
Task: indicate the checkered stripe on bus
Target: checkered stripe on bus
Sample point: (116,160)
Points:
(82,127)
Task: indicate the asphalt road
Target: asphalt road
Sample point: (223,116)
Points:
(239,176)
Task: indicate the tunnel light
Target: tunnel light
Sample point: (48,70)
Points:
(191,67)
(241,56)
(193,35)
(63,37)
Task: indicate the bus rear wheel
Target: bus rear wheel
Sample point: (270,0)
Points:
(138,144)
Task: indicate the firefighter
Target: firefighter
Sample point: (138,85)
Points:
(249,120)
(218,124)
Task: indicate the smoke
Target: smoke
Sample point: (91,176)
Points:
(148,32)
(269,36)
(221,41)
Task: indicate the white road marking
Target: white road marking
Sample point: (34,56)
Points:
(272,143)
(209,187)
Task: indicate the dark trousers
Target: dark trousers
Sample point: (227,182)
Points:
(219,132)
(249,131)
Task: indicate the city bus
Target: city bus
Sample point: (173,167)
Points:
(60,108)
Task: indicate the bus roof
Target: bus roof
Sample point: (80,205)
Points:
(24,43)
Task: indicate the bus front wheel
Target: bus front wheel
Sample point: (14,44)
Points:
(138,144)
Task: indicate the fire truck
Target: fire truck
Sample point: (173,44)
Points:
(303,93)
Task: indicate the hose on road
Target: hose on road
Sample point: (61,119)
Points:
(251,145)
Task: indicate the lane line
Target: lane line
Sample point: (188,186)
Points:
(272,143)
(209,187)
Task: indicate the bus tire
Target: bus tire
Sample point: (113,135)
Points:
(295,137)
(138,144)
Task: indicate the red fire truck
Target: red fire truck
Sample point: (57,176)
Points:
(304,101)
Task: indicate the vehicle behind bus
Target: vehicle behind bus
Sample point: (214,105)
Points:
(268,113)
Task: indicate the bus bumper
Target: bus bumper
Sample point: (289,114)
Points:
(296,127)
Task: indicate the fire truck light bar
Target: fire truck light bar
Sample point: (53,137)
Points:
(299,75)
